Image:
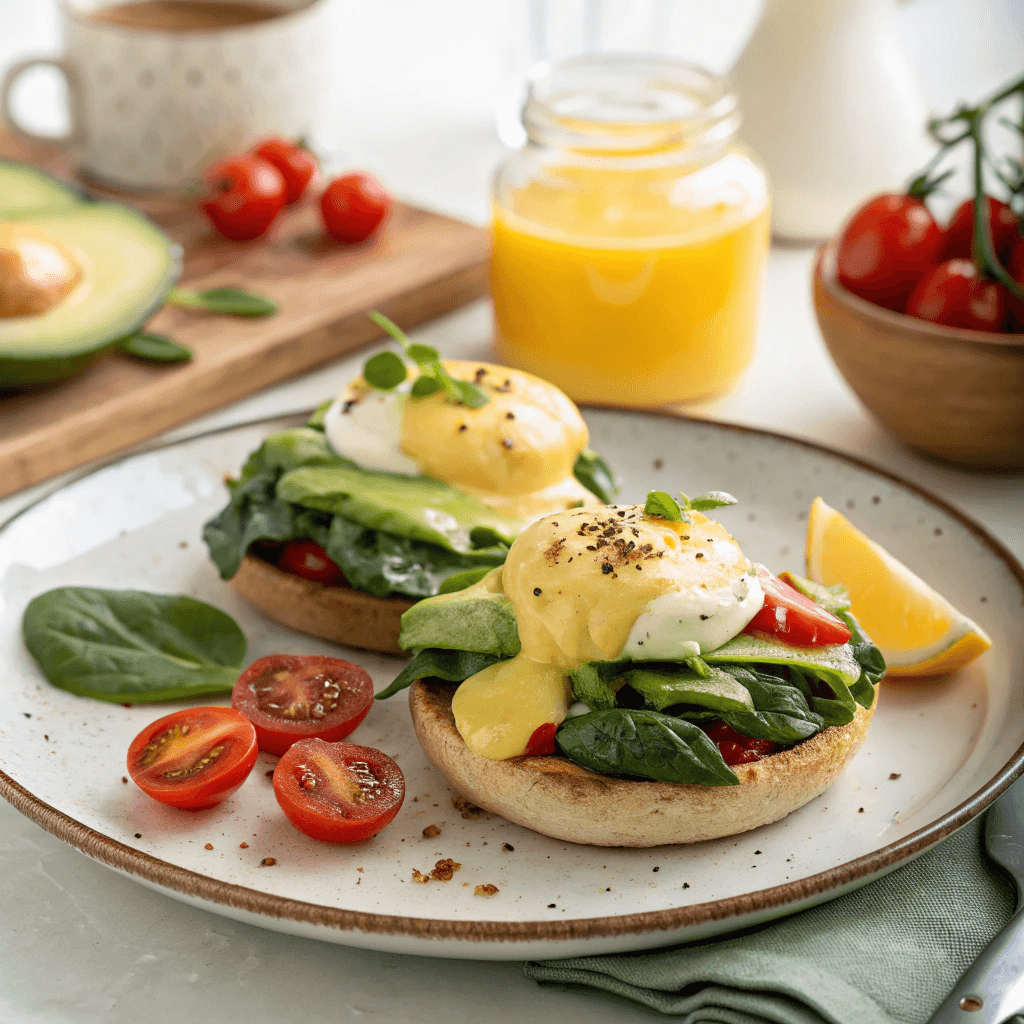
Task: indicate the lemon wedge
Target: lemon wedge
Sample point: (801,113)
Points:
(917,630)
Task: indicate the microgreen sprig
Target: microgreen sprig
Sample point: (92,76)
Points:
(662,505)
(386,370)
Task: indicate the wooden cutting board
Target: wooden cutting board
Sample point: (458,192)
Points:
(420,266)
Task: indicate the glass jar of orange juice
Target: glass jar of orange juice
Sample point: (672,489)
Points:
(630,234)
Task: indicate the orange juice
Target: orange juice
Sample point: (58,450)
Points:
(630,279)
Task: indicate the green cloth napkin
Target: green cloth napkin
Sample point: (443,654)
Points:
(885,954)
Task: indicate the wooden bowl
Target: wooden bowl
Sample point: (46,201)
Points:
(951,393)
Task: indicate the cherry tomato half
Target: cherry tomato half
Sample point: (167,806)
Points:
(246,194)
(290,697)
(957,294)
(297,165)
(794,618)
(194,758)
(960,233)
(542,740)
(736,748)
(889,243)
(338,792)
(354,206)
(307,559)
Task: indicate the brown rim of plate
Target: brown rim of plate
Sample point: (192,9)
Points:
(197,886)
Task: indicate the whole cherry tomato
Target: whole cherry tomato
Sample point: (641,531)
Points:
(960,233)
(886,247)
(290,697)
(338,792)
(957,294)
(794,618)
(193,758)
(1015,265)
(354,206)
(246,194)
(307,559)
(297,165)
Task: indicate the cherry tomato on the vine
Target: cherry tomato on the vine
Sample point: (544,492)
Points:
(290,697)
(298,166)
(307,559)
(1015,322)
(338,792)
(194,758)
(957,294)
(354,206)
(888,244)
(960,233)
(794,618)
(245,195)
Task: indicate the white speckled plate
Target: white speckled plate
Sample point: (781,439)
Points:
(937,754)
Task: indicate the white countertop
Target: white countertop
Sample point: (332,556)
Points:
(79,943)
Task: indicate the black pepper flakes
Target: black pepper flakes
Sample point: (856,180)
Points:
(138,835)
(551,906)
(606,567)
(348,406)
(537,591)
(268,862)
(510,415)
(700,554)
(894,775)
(655,869)
(463,428)
(507,847)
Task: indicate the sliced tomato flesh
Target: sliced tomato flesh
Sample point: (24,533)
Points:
(542,741)
(338,792)
(195,758)
(793,618)
(289,697)
(736,748)
(309,561)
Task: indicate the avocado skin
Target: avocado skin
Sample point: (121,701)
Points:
(23,373)
(22,370)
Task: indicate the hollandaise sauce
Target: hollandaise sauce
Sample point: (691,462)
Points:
(599,585)
(630,236)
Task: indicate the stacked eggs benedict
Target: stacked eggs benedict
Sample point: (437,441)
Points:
(638,643)
(419,472)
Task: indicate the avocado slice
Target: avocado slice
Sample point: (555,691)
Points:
(25,190)
(127,266)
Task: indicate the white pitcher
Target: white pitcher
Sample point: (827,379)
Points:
(832,108)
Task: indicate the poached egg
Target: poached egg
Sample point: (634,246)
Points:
(601,585)
(516,454)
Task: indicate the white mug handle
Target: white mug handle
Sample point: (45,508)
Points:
(67,69)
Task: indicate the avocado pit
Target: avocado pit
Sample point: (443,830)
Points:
(37,272)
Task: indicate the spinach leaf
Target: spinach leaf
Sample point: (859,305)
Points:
(431,663)
(129,646)
(155,348)
(233,301)
(718,691)
(781,712)
(645,745)
(596,475)
(381,563)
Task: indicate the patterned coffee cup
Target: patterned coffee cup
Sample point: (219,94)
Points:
(151,108)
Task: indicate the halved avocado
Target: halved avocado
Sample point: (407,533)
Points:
(127,267)
(25,190)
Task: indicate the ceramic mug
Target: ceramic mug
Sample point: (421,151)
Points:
(151,108)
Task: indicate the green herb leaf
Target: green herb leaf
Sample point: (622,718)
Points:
(712,499)
(596,475)
(232,301)
(451,666)
(422,355)
(469,394)
(384,371)
(129,646)
(425,384)
(316,419)
(645,745)
(390,327)
(663,505)
(155,348)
